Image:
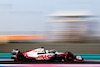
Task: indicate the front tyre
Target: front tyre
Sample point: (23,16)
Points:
(20,58)
(69,58)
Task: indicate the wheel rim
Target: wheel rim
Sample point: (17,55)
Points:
(69,57)
(20,57)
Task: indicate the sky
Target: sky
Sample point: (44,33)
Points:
(30,15)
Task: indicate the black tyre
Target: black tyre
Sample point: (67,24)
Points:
(20,57)
(69,58)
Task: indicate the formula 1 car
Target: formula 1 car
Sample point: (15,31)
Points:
(42,54)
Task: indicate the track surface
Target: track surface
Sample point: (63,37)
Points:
(77,48)
(46,62)
(80,48)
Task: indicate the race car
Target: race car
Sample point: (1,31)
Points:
(42,54)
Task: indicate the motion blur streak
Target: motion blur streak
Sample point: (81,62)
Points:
(50,65)
(72,26)
(61,26)
(19,37)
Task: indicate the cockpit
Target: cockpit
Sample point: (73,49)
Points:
(51,51)
(43,51)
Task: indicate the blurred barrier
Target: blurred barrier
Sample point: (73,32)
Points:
(90,56)
(85,56)
(5,55)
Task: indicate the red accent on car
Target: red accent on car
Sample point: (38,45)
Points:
(74,56)
(29,57)
(27,51)
(44,57)
(61,54)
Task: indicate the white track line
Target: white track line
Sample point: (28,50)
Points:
(6,59)
(93,60)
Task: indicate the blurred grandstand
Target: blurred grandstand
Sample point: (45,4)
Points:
(66,27)
(75,26)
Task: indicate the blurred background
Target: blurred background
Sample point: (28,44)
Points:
(63,25)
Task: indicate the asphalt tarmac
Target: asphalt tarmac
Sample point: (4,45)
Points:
(46,62)
(80,48)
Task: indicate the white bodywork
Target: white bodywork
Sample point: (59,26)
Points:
(41,54)
(15,52)
(79,57)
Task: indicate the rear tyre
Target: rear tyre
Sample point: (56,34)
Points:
(69,58)
(20,57)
